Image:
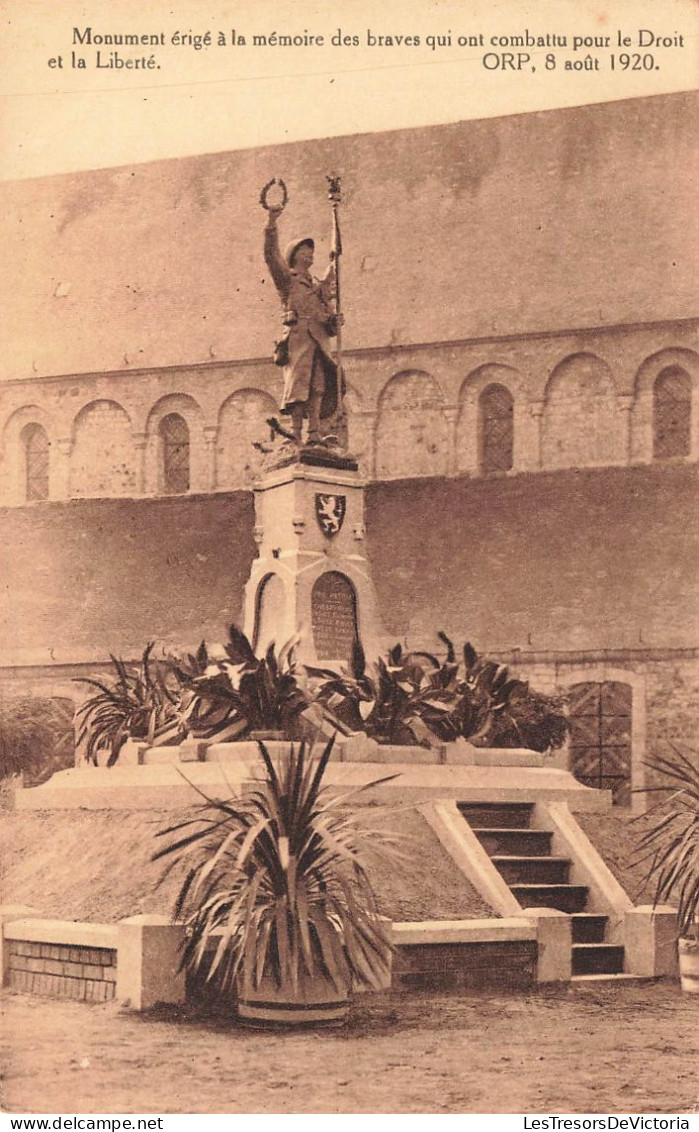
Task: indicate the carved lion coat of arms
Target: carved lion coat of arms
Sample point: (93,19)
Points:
(330,513)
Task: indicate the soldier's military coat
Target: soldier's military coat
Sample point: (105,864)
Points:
(309,328)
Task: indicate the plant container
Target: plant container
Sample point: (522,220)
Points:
(316,1002)
(689,965)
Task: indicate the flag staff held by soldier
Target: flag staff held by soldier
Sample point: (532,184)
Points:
(313,379)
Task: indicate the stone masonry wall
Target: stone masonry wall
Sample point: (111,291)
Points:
(569,562)
(526,223)
(90,577)
(580,399)
(62,971)
(673,696)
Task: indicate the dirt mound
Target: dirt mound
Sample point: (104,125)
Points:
(96,865)
(615,834)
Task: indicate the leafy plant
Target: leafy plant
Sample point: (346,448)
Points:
(277,883)
(398,700)
(416,697)
(242,693)
(529,719)
(135,703)
(483,690)
(36,737)
(670,846)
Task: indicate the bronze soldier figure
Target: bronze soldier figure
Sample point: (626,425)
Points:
(310,371)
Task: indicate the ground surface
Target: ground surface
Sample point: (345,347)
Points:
(96,865)
(628,1048)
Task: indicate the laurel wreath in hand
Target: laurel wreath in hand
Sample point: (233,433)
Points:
(265,192)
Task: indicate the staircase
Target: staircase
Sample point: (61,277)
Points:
(537,879)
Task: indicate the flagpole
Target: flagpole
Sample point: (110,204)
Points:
(335,197)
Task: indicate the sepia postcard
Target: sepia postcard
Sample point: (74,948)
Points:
(349,423)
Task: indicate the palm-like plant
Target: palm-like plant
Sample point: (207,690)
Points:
(670,846)
(36,737)
(277,886)
(241,693)
(402,699)
(136,702)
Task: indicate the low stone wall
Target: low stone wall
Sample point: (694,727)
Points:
(453,966)
(471,954)
(87,973)
(135,961)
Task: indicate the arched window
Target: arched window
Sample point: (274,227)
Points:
(270,608)
(496,421)
(36,463)
(175,437)
(672,413)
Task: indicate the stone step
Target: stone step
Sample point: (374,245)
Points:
(497,815)
(533,870)
(609,977)
(515,842)
(597,959)
(565,897)
(588,928)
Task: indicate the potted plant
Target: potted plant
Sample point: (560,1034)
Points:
(670,847)
(277,900)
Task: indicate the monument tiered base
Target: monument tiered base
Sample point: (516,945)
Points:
(171,785)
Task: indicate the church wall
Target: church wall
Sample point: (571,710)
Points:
(582,398)
(87,578)
(569,561)
(526,223)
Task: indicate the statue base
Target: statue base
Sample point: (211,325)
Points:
(311,455)
(312,576)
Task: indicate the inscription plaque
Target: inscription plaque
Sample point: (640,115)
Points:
(333,616)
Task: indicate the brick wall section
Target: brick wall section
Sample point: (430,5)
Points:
(62,971)
(454,231)
(566,561)
(595,559)
(102,576)
(451,966)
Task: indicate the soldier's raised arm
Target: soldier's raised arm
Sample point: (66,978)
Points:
(278,269)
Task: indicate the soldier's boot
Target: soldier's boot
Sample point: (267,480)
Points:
(297,422)
(315,435)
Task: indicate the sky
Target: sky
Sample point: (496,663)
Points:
(199,98)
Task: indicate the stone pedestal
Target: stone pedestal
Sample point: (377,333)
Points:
(312,575)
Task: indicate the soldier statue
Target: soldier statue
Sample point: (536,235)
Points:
(310,321)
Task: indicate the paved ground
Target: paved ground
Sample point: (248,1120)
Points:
(626,1048)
